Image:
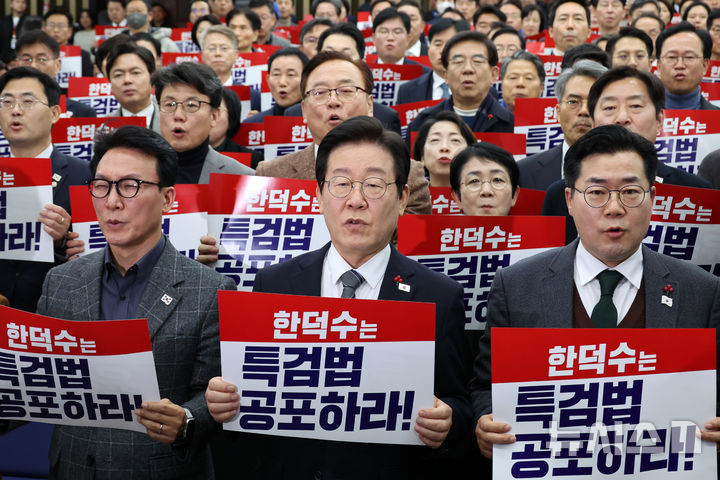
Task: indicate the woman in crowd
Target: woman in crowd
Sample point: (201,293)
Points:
(228,125)
(85,36)
(438,141)
(533,20)
(484,180)
(202,24)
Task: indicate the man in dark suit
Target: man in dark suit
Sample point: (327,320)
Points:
(417,43)
(431,85)
(634,99)
(130,68)
(141,275)
(36,48)
(609,172)
(682,79)
(323,108)
(470,59)
(28,110)
(362,172)
(58,23)
(540,170)
(391,34)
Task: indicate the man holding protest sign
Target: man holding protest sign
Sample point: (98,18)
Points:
(604,279)
(141,275)
(362,189)
(28,110)
(334,88)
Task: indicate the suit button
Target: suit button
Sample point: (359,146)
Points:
(90,460)
(318,475)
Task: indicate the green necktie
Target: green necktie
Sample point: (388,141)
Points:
(605,315)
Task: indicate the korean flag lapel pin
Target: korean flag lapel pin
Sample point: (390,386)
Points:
(404,287)
(667,298)
(166,299)
(56,179)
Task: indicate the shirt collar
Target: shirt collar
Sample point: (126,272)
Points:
(414,50)
(437,80)
(588,266)
(44,154)
(372,271)
(144,266)
(146,112)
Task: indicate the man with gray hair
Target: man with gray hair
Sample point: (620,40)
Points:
(571,89)
(219,51)
(523,76)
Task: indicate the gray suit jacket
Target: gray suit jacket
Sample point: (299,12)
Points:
(216,162)
(154,123)
(538,292)
(186,348)
(301,164)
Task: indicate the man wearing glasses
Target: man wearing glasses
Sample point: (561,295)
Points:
(28,110)
(58,23)
(391,33)
(361,172)
(189,96)
(609,174)
(36,48)
(335,88)
(633,99)
(683,54)
(470,59)
(141,275)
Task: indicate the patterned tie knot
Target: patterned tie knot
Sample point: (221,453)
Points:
(609,280)
(350,281)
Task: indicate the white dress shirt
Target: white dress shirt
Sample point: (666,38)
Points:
(438,82)
(146,112)
(414,50)
(44,154)
(372,271)
(587,267)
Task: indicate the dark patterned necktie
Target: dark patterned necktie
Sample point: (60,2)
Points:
(605,315)
(351,280)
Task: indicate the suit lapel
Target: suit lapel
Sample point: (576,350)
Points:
(308,280)
(59,169)
(398,265)
(657,277)
(86,295)
(556,293)
(161,295)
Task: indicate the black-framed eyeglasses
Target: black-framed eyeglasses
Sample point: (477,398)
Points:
(372,188)
(188,106)
(597,196)
(125,187)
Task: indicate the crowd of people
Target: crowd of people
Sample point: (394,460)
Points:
(622,66)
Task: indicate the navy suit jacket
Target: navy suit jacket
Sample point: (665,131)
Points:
(21,281)
(416,90)
(538,292)
(540,170)
(555,205)
(387,116)
(282,458)
(490,117)
(79,109)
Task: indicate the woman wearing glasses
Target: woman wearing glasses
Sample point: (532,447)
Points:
(484,180)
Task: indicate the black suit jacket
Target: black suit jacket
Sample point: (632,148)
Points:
(416,90)
(540,170)
(21,281)
(79,109)
(6,30)
(282,458)
(554,203)
(490,117)
(705,105)
(387,116)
